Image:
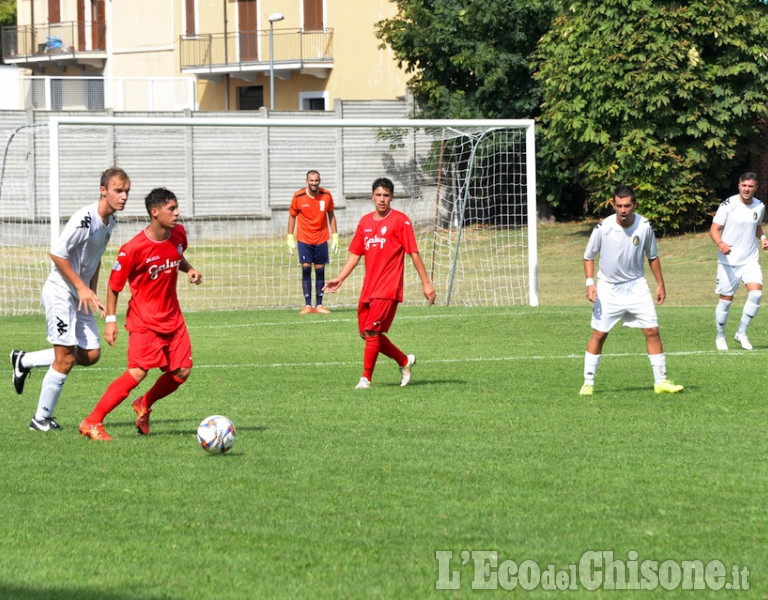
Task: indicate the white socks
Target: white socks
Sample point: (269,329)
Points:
(53,382)
(591,362)
(659,366)
(751,306)
(40,358)
(721,316)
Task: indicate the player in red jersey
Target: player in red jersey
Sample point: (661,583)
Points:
(158,337)
(383,237)
(312,209)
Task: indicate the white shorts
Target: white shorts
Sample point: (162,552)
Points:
(728,277)
(68,326)
(630,302)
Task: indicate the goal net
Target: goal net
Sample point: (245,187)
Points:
(468,187)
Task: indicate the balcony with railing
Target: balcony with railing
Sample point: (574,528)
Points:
(77,42)
(244,52)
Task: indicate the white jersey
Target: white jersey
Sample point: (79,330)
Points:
(82,243)
(739,222)
(622,250)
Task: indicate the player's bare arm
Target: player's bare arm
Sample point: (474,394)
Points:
(334,284)
(193,274)
(589,272)
(110,328)
(426,285)
(716,234)
(87,298)
(661,290)
(763,239)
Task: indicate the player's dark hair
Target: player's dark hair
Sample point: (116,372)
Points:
(624,191)
(384,182)
(111,173)
(158,197)
(311,171)
(747,176)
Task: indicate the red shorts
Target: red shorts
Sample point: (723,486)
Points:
(376,315)
(149,350)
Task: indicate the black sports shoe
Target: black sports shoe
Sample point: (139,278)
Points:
(47,424)
(19,373)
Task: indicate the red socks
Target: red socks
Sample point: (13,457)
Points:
(372,348)
(392,351)
(121,387)
(375,344)
(117,391)
(165,384)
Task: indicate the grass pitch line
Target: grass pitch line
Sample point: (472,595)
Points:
(303,322)
(465,359)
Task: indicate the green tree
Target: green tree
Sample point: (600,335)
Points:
(7,12)
(469,58)
(669,97)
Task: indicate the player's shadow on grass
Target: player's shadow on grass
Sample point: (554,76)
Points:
(646,390)
(192,427)
(421,382)
(36,592)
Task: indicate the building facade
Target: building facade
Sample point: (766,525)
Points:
(202,54)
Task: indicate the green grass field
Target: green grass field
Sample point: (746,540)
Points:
(331,492)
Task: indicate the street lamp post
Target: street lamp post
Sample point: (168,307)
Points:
(273,18)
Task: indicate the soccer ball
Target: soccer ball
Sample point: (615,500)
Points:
(216,434)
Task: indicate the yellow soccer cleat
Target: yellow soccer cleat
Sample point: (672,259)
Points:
(667,387)
(587,389)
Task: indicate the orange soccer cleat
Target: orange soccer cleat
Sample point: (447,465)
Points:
(142,417)
(95,431)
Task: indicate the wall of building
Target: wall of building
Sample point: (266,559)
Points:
(145,43)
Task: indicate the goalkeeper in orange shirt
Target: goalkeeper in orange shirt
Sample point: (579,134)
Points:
(312,209)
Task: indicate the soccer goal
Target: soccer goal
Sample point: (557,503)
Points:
(469,187)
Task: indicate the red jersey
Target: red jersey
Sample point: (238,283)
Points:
(384,243)
(151,268)
(311,215)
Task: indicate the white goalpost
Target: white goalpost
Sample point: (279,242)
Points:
(469,186)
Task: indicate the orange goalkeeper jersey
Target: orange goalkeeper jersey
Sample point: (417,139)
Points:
(311,215)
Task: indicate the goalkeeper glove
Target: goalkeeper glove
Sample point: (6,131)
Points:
(291,243)
(335,243)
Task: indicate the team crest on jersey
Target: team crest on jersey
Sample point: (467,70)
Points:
(384,230)
(180,249)
(635,240)
(322,205)
(754,216)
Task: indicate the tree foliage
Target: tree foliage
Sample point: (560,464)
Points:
(469,58)
(666,96)
(7,12)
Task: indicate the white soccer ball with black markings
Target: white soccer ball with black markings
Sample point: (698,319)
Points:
(216,434)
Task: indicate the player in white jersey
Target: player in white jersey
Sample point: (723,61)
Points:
(70,298)
(623,241)
(736,226)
